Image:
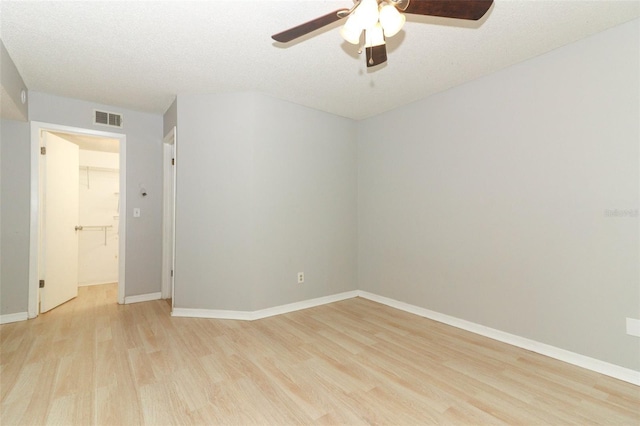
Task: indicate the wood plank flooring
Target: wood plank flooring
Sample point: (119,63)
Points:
(355,362)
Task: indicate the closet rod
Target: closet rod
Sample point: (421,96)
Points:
(102,227)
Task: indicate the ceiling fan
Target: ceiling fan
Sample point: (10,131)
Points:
(380,19)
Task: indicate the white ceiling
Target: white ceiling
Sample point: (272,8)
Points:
(139,55)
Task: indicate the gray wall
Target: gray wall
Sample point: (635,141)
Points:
(304,209)
(14,223)
(265,189)
(487,202)
(213,202)
(11,85)
(144,167)
(170,118)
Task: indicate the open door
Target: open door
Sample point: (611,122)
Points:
(59,261)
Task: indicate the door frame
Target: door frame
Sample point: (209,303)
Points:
(169,214)
(34,227)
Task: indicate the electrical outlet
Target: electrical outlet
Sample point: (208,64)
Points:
(300,277)
(633,327)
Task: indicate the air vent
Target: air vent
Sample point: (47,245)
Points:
(107,118)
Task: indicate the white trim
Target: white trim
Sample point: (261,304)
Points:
(122,219)
(305,304)
(8,318)
(173,215)
(262,313)
(212,313)
(98,283)
(142,298)
(621,373)
(34,226)
(168,213)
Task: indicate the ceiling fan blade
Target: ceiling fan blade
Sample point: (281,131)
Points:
(376,55)
(302,29)
(461,9)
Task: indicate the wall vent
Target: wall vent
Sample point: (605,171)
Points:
(105,118)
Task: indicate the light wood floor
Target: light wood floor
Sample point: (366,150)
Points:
(92,361)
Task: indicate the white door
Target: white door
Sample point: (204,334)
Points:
(60,217)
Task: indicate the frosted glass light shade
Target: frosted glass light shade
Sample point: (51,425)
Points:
(374,36)
(367,13)
(351,30)
(390,19)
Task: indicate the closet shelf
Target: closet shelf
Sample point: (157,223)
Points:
(100,169)
(89,169)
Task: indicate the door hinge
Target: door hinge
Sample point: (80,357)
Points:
(173,161)
(43,150)
(41,283)
(172,272)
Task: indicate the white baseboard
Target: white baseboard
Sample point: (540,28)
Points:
(212,314)
(142,298)
(608,369)
(7,318)
(92,284)
(262,313)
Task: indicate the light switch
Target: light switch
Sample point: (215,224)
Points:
(136,212)
(633,327)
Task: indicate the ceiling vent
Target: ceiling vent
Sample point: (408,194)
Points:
(105,118)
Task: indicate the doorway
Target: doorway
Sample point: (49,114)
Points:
(79,216)
(78,194)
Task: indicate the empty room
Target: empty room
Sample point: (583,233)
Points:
(390,212)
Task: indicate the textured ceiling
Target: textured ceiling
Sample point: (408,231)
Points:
(139,55)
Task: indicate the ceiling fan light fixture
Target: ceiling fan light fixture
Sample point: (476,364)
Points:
(352,29)
(384,18)
(351,33)
(374,36)
(367,13)
(390,19)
